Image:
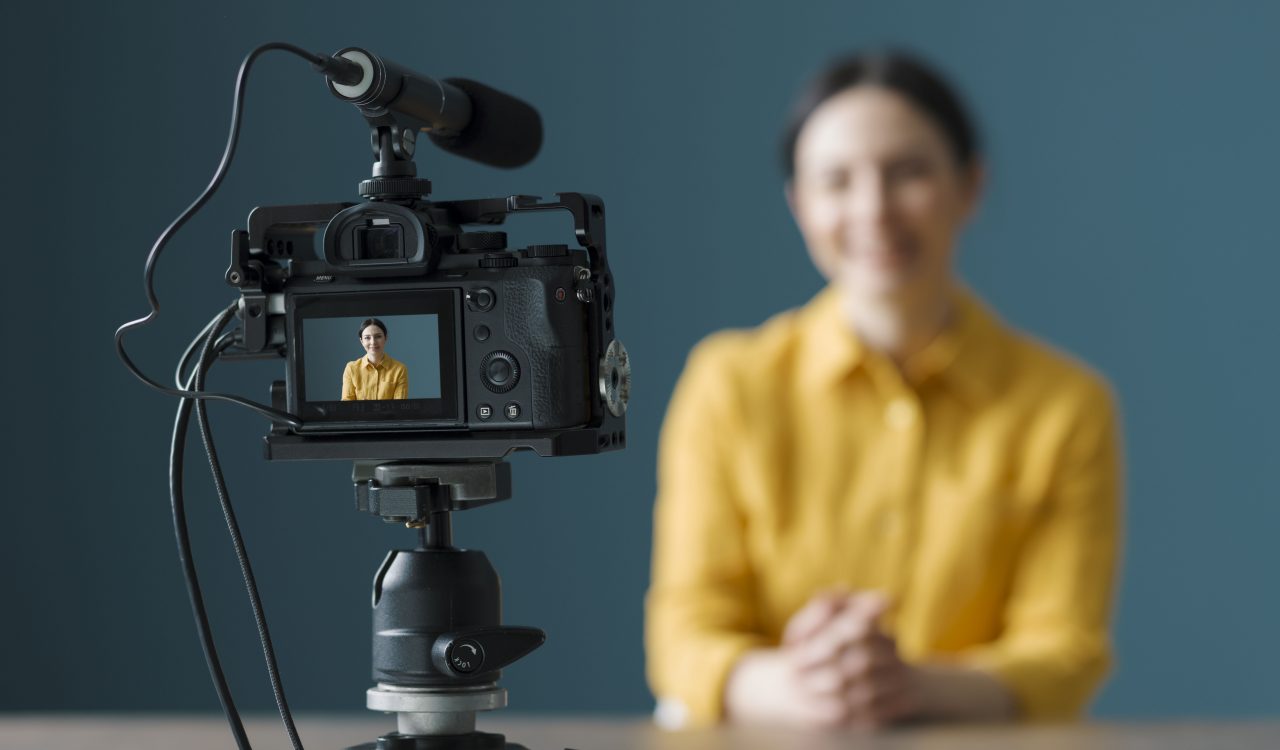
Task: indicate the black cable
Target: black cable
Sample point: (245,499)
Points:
(181,378)
(177,453)
(191,392)
(317,61)
(246,570)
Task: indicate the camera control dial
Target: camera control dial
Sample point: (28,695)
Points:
(500,371)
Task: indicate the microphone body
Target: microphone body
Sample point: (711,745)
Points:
(461,116)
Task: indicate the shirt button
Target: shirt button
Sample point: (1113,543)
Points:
(900,413)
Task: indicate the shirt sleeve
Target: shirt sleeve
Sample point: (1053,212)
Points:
(699,616)
(1054,649)
(402,383)
(348,384)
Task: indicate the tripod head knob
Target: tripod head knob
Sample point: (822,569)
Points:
(469,652)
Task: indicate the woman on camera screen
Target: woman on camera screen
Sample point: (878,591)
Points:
(375,375)
(886,505)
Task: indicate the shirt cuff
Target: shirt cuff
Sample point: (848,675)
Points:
(1044,687)
(696,698)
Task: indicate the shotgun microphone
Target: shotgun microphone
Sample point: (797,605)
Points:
(461,116)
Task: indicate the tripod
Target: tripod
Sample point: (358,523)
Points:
(438,641)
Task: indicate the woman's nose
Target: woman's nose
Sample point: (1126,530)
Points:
(869,198)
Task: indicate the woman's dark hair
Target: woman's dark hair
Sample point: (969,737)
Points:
(899,72)
(372,322)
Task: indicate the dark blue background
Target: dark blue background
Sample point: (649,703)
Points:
(1130,218)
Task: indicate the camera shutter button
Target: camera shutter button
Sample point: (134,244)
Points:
(499,371)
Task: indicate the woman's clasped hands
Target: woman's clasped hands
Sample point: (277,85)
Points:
(835,667)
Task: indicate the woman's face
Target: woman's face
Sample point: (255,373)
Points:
(879,196)
(374,341)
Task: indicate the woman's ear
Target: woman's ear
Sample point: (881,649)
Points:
(975,185)
(789,193)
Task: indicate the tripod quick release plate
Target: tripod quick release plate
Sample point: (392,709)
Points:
(411,492)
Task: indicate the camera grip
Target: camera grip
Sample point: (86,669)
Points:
(554,337)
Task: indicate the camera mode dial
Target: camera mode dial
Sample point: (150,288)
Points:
(499,260)
(499,371)
(546,251)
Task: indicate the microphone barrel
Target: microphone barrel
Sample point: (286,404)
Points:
(504,131)
(445,108)
(386,85)
(461,116)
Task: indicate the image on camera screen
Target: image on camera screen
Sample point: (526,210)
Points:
(338,358)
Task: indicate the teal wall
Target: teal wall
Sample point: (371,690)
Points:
(1130,218)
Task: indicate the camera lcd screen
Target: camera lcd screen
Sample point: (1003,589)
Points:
(410,359)
(397,375)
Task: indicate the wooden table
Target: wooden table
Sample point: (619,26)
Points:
(166,732)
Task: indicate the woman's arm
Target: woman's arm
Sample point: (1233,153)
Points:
(402,384)
(1055,647)
(348,384)
(699,616)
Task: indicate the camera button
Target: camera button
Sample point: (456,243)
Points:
(484,412)
(481,333)
(512,410)
(481,299)
(499,371)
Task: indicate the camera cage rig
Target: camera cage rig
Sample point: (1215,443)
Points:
(262,254)
(254,270)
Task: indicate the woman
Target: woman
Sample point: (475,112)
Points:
(375,375)
(886,505)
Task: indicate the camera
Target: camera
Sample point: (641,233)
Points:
(499,348)
(469,349)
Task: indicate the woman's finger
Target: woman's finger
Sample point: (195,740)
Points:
(813,616)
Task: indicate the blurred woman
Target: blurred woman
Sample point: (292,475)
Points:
(886,505)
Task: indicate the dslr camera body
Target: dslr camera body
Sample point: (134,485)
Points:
(505,348)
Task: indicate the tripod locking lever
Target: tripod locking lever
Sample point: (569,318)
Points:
(468,652)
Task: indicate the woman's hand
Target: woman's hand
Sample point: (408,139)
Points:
(836,667)
(837,648)
(764,688)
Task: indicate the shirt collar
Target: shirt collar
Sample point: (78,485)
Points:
(378,366)
(832,349)
(965,355)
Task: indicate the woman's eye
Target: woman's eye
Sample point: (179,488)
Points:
(909,169)
(833,180)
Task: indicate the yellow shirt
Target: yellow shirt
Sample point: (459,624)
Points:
(978,486)
(364,381)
